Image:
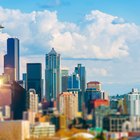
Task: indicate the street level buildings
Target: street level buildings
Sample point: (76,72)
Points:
(42,130)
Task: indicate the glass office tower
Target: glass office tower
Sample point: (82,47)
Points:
(11,59)
(52,75)
(34,78)
(80,70)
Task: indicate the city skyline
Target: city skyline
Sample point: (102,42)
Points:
(69,69)
(108,37)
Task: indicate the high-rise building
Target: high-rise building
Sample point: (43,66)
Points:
(24,79)
(74,82)
(74,86)
(82,74)
(11,59)
(34,78)
(32,101)
(133,102)
(64,79)
(93,92)
(52,75)
(68,102)
(18,105)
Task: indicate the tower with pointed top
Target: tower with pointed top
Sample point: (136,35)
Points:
(52,75)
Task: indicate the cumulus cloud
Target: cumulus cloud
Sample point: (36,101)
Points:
(102,36)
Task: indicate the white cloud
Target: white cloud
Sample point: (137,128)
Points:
(99,37)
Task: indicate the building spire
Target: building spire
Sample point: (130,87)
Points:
(52,51)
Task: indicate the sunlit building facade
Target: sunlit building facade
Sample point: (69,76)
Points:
(33,100)
(68,102)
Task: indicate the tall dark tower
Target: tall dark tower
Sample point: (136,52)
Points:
(11,59)
(34,78)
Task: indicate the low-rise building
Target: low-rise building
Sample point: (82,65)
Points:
(30,116)
(114,122)
(6,113)
(42,130)
(98,115)
(14,130)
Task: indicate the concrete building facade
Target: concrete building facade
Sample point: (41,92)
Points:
(68,102)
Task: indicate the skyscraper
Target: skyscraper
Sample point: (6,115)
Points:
(52,75)
(64,79)
(11,59)
(74,82)
(82,74)
(34,78)
(133,102)
(68,103)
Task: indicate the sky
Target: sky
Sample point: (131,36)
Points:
(103,35)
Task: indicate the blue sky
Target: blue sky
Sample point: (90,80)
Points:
(74,10)
(103,35)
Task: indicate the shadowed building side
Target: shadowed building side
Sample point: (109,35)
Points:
(18,101)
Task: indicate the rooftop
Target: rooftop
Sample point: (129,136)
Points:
(93,82)
(52,51)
